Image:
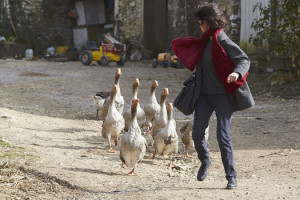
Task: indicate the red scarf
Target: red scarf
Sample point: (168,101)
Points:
(189,51)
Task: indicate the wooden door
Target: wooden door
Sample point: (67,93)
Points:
(155,25)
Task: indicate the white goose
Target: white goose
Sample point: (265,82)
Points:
(119,99)
(162,119)
(152,108)
(187,139)
(166,140)
(140,114)
(133,144)
(114,122)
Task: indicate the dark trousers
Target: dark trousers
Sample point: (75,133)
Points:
(204,107)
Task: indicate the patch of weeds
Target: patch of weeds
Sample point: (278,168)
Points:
(281,85)
(33,74)
(3,143)
(258,83)
(8,151)
(278,78)
(275,84)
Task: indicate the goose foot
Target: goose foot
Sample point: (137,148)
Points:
(154,154)
(186,156)
(132,172)
(123,165)
(148,132)
(171,165)
(112,150)
(97,115)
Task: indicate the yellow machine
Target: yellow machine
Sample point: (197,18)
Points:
(175,62)
(113,51)
(166,60)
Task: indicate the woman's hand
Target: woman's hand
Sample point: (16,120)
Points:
(232,77)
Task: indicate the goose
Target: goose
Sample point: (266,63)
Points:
(119,99)
(160,121)
(133,144)
(187,139)
(140,114)
(99,100)
(152,108)
(114,122)
(166,140)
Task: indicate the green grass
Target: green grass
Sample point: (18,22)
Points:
(8,151)
(248,48)
(3,143)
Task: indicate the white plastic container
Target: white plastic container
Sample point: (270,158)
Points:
(29,54)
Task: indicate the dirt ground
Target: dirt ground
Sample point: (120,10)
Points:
(51,145)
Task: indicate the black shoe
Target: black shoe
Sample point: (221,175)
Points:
(202,173)
(231,183)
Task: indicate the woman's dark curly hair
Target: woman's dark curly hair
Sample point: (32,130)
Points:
(211,13)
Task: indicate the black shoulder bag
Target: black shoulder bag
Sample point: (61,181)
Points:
(184,102)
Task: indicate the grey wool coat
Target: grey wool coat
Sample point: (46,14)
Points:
(241,98)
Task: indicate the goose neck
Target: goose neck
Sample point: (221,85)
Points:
(112,99)
(163,100)
(117,79)
(134,92)
(152,91)
(170,115)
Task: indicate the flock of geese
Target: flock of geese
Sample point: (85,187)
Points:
(155,119)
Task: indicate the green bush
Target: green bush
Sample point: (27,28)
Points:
(278,29)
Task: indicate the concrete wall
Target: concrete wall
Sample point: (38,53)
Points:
(80,10)
(248,17)
(80,37)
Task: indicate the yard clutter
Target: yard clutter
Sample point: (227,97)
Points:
(29,54)
(166,60)
(2,39)
(110,50)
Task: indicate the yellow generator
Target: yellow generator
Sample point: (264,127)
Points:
(166,60)
(112,50)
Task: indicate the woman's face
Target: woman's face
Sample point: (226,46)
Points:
(203,25)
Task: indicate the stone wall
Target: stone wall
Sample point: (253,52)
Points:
(32,7)
(129,21)
(181,20)
(55,20)
(50,17)
(37,22)
(177,19)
